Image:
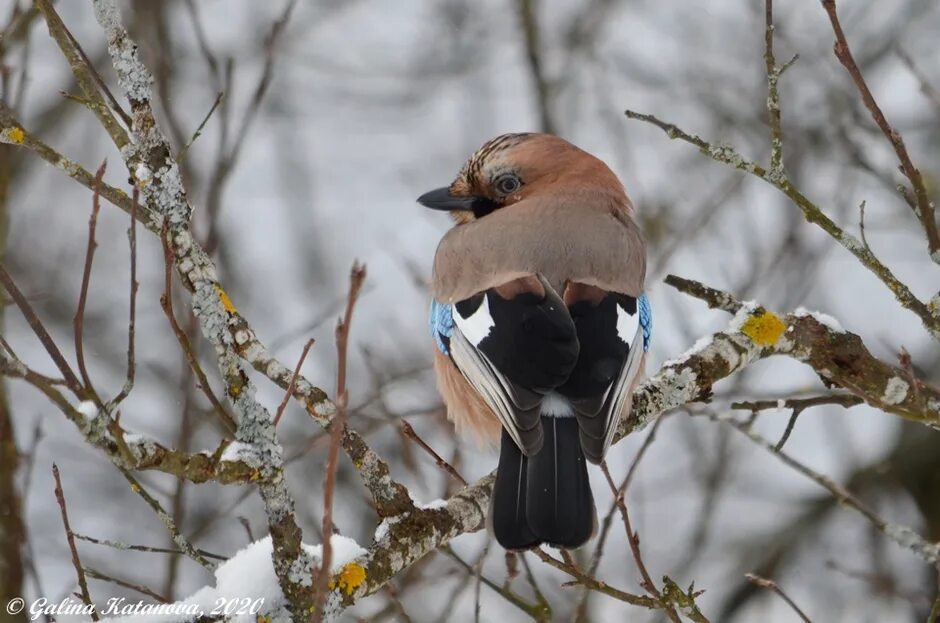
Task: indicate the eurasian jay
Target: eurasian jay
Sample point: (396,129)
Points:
(540,325)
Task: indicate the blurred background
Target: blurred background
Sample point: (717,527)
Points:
(336,115)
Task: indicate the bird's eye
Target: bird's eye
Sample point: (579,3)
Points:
(507,184)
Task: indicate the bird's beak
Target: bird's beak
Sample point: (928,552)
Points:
(441,199)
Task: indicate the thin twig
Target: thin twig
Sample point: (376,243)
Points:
(97,575)
(36,325)
(533,611)
(634,541)
(181,156)
(861,224)
(773,94)
(293,381)
(534,585)
(181,541)
(771,585)
(594,584)
(356,277)
(132,320)
(928,89)
(797,405)
(409,432)
(142,548)
(79,320)
(70,537)
(811,212)
(901,535)
(920,202)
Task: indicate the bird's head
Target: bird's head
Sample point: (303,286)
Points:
(513,167)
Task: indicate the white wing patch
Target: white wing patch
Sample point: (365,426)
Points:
(627,325)
(478,325)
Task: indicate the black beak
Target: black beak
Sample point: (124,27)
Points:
(441,199)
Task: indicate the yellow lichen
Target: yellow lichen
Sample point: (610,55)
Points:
(16,135)
(226,301)
(262,619)
(350,577)
(135,488)
(764,328)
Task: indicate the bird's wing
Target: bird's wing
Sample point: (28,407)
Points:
(582,239)
(614,341)
(513,344)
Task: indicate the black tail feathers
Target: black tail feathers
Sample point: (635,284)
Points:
(544,498)
(508,506)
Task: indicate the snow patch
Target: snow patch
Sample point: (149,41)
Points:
(701,344)
(244,452)
(88,409)
(249,575)
(895,391)
(824,319)
(381,531)
(434,504)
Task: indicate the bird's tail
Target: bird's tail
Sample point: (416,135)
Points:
(544,498)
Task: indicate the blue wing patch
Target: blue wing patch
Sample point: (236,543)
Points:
(441,324)
(646,321)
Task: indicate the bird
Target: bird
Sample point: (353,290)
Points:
(540,325)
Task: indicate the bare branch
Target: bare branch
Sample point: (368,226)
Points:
(922,206)
(79,320)
(812,213)
(132,320)
(321,579)
(901,535)
(770,584)
(70,537)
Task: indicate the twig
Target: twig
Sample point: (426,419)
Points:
(771,585)
(132,320)
(79,319)
(528,19)
(293,381)
(634,541)
(861,224)
(74,170)
(534,585)
(716,299)
(811,212)
(36,325)
(608,519)
(142,548)
(773,94)
(932,93)
(797,405)
(229,154)
(84,74)
(181,541)
(166,302)
(356,277)
(533,611)
(97,575)
(409,432)
(181,156)
(594,584)
(901,535)
(920,202)
(70,537)
(478,581)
